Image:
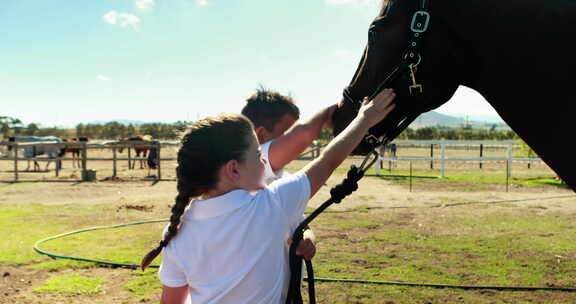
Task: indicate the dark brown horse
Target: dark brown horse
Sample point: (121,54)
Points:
(515,53)
(141,147)
(75,150)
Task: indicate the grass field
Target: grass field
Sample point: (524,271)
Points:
(469,228)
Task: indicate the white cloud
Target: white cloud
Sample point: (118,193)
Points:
(110,17)
(122,19)
(202,2)
(103,78)
(144,4)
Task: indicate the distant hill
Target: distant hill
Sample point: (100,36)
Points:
(428,119)
(435,119)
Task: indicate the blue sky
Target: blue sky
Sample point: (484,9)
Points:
(63,62)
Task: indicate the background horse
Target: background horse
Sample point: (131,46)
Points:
(515,53)
(139,148)
(75,151)
(31,151)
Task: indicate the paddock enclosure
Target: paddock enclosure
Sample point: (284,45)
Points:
(430,158)
(439,230)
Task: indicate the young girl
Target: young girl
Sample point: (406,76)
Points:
(227,237)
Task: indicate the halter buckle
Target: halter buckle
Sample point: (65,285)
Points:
(418,25)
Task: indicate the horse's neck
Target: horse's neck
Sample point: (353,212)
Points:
(526,38)
(512,22)
(516,53)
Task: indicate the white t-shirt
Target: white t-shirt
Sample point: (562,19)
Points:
(232,248)
(269,174)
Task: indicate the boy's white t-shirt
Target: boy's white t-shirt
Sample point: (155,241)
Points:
(233,248)
(269,174)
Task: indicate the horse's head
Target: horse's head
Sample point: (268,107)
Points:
(120,140)
(407,48)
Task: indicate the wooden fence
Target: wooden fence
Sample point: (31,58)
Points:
(83,147)
(313,152)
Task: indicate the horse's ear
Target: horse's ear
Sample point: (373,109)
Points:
(384,7)
(396,8)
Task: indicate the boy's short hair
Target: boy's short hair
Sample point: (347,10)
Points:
(266,107)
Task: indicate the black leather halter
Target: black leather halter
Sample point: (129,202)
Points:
(408,66)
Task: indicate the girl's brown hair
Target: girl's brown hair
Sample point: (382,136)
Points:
(206,146)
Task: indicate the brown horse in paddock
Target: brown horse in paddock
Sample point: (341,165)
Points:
(140,149)
(75,151)
(515,53)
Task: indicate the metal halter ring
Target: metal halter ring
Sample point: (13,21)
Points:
(419,58)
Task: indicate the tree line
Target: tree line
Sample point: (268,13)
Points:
(10,126)
(461,133)
(113,130)
(170,131)
(446,133)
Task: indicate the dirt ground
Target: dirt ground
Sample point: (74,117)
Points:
(373,192)
(17,282)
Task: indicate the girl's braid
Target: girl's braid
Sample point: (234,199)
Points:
(186,192)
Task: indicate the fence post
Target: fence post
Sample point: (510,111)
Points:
(15,149)
(509,161)
(432,156)
(158,160)
(34,157)
(84,156)
(443,160)
(410,176)
(378,166)
(57,164)
(481,154)
(129,158)
(507,176)
(114,157)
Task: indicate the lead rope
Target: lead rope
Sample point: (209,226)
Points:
(337,194)
(418,26)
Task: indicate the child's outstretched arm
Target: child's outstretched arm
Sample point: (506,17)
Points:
(370,113)
(289,146)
